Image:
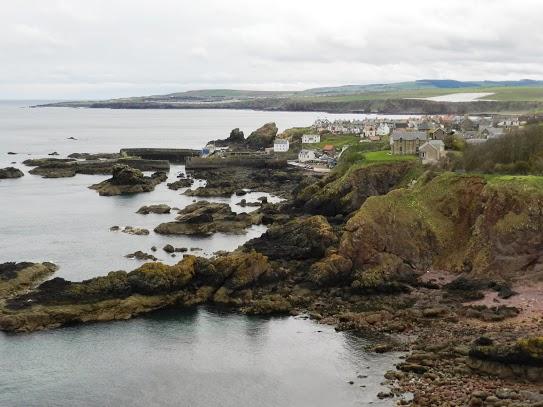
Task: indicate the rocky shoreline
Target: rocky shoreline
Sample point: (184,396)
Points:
(434,262)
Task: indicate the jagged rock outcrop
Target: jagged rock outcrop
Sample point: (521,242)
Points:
(301,238)
(453,222)
(204,218)
(235,140)
(263,137)
(10,172)
(345,193)
(127,180)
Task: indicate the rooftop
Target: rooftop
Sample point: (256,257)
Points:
(409,135)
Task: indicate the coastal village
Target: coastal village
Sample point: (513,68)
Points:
(320,146)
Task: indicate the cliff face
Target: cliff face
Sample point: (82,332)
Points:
(346,193)
(455,222)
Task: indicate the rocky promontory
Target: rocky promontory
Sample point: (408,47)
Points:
(127,180)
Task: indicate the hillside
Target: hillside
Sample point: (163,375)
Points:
(394,98)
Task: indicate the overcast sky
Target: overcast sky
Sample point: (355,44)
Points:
(111,48)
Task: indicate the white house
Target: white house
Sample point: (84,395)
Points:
(383,129)
(306,155)
(280,145)
(311,138)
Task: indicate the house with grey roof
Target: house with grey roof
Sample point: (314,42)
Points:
(492,132)
(407,142)
(432,151)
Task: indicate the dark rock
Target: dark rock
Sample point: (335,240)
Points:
(135,231)
(139,255)
(262,137)
(10,172)
(301,238)
(168,248)
(412,367)
(158,209)
(205,218)
(181,183)
(127,180)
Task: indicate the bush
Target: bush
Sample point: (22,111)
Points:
(520,152)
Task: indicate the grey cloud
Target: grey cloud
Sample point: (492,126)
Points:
(108,48)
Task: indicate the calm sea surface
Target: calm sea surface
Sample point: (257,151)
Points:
(196,358)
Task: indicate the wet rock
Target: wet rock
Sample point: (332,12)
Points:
(139,255)
(168,248)
(16,278)
(206,218)
(135,231)
(10,172)
(53,153)
(158,209)
(181,183)
(114,228)
(127,180)
(153,249)
(243,203)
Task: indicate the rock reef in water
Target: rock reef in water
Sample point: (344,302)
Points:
(10,172)
(180,183)
(225,182)
(157,209)
(92,164)
(205,218)
(121,295)
(127,180)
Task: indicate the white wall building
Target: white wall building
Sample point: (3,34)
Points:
(280,145)
(383,129)
(311,138)
(306,155)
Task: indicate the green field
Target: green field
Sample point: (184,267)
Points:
(512,93)
(386,156)
(338,141)
(525,181)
